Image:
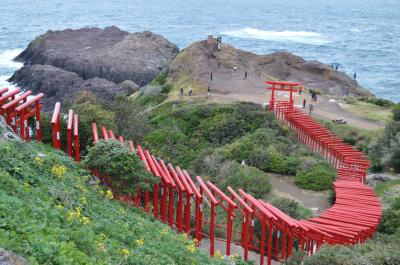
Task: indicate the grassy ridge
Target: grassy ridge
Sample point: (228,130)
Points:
(53,212)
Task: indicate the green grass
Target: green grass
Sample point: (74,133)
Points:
(350,134)
(381,188)
(53,212)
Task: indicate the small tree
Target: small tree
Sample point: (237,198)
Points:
(396,112)
(125,169)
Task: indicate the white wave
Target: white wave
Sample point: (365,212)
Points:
(4,83)
(305,37)
(6,59)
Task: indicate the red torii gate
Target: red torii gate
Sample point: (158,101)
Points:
(282,86)
(25,111)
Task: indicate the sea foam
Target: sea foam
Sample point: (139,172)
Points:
(305,37)
(6,59)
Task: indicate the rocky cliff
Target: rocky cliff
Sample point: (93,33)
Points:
(202,58)
(105,61)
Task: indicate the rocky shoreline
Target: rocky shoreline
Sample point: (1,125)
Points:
(109,61)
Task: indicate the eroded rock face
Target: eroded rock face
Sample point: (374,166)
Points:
(105,61)
(6,134)
(202,58)
(61,85)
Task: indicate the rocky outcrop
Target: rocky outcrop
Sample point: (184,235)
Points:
(105,61)
(6,134)
(202,58)
(10,258)
(61,85)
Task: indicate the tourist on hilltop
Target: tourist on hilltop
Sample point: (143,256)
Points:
(208,91)
(245,75)
(355,75)
(181,92)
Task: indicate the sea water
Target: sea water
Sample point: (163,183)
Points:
(363,36)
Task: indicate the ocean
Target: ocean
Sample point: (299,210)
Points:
(363,36)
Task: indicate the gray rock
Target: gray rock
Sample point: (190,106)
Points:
(10,258)
(201,58)
(106,62)
(109,53)
(151,90)
(6,134)
(61,85)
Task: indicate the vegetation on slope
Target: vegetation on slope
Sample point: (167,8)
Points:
(53,212)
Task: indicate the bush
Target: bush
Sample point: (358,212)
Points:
(318,178)
(396,112)
(384,152)
(349,140)
(250,179)
(90,112)
(291,207)
(390,222)
(126,171)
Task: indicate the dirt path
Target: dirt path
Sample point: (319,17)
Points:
(230,85)
(284,186)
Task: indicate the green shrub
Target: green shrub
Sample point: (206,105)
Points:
(350,140)
(126,171)
(89,113)
(396,112)
(291,207)
(318,178)
(390,222)
(250,179)
(382,250)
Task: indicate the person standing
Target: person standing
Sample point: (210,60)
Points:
(310,108)
(208,91)
(304,103)
(211,76)
(190,91)
(245,75)
(355,75)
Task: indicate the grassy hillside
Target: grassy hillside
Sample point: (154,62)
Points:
(53,212)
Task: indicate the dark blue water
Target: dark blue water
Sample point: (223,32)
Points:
(362,35)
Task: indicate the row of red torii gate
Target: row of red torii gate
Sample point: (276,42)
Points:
(181,200)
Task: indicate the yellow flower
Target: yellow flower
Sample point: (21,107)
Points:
(71,216)
(59,206)
(195,242)
(85,220)
(125,252)
(109,194)
(235,257)
(101,247)
(218,255)
(59,170)
(84,201)
(103,236)
(139,242)
(164,231)
(38,160)
(192,248)
(78,211)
